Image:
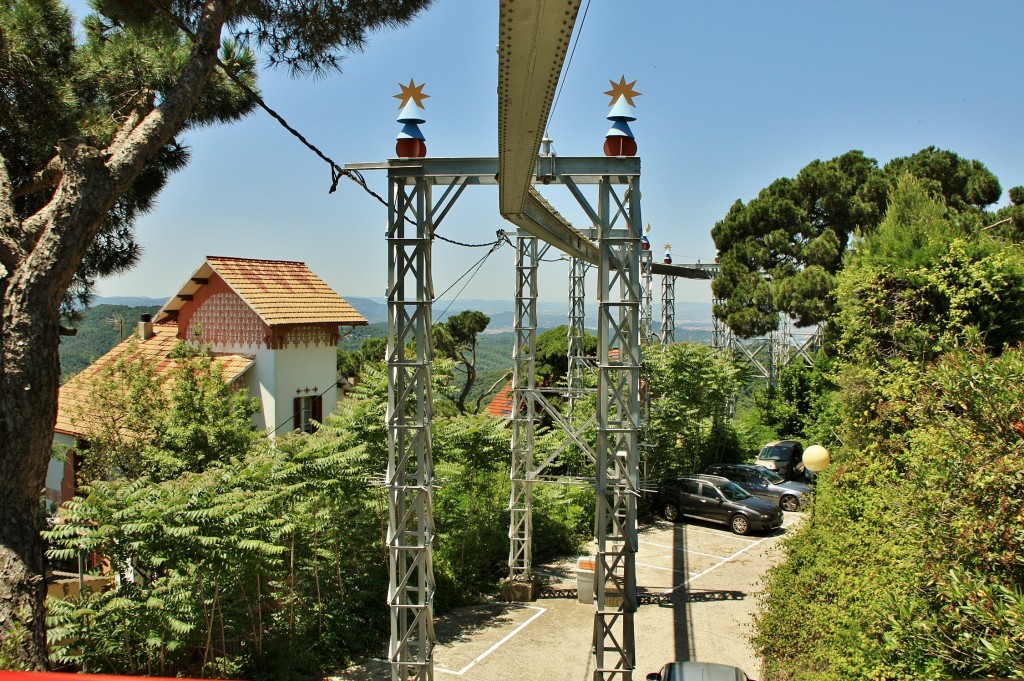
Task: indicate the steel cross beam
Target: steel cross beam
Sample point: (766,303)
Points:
(410,473)
(524,387)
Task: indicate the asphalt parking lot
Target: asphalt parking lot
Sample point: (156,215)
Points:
(710,575)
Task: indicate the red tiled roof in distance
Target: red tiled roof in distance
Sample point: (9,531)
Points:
(72,404)
(501,405)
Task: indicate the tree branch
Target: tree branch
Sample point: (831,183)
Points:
(47,178)
(137,146)
(142,105)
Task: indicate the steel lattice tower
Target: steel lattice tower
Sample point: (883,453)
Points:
(577,329)
(619,291)
(668,310)
(646,311)
(524,388)
(410,473)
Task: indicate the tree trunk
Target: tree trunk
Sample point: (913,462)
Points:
(28,410)
(38,258)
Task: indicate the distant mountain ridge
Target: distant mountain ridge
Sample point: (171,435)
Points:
(689,314)
(128,301)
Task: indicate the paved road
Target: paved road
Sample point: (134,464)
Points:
(712,574)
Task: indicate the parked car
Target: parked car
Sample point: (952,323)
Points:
(718,500)
(783,457)
(698,671)
(764,484)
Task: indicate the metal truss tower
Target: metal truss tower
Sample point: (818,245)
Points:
(646,312)
(413,216)
(524,389)
(769,355)
(578,364)
(410,473)
(668,310)
(619,293)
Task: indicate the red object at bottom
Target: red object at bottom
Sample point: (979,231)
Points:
(60,676)
(411,148)
(616,145)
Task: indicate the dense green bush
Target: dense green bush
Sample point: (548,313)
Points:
(264,565)
(690,387)
(909,566)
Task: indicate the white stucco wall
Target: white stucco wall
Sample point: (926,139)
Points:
(299,368)
(55,470)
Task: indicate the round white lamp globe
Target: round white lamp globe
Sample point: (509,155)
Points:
(816,458)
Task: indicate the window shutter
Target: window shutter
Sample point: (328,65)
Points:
(318,409)
(297,418)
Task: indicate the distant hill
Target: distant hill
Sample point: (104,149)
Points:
(373,311)
(100,329)
(688,314)
(129,301)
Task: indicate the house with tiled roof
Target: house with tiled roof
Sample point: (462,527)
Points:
(272,325)
(501,406)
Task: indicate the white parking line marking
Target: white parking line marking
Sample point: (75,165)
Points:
(497,645)
(658,567)
(692,528)
(665,546)
(719,564)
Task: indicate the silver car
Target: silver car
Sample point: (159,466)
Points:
(698,671)
(764,484)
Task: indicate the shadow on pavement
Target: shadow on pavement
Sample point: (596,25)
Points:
(682,624)
(465,622)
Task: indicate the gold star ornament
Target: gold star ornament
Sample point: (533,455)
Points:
(622,89)
(412,92)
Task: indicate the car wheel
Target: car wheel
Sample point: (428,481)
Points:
(671,512)
(739,524)
(789,503)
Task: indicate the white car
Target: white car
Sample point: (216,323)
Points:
(698,671)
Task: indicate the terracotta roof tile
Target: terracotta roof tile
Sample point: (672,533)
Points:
(285,292)
(501,405)
(74,396)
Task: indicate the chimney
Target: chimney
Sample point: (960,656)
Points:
(146,326)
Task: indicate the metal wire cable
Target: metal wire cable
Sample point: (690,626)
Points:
(568,63)
(474,269)
(337,172)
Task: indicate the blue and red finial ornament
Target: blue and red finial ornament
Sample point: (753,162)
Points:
(668,254)
(411,143)
(645,243)
(619,141)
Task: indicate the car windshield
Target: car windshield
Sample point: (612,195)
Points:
(734,492)
(774,453)
(771,475)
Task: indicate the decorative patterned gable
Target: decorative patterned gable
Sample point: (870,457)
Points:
(224,319)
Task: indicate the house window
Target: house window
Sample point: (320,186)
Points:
(308,409)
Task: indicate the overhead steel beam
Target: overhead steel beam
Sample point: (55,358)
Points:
(533,38)
(684,271)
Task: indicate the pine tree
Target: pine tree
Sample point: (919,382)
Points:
(112,107)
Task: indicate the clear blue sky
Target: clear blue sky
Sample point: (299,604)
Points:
(734,95)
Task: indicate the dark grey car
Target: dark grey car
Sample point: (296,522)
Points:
(764,484)
(718,500)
